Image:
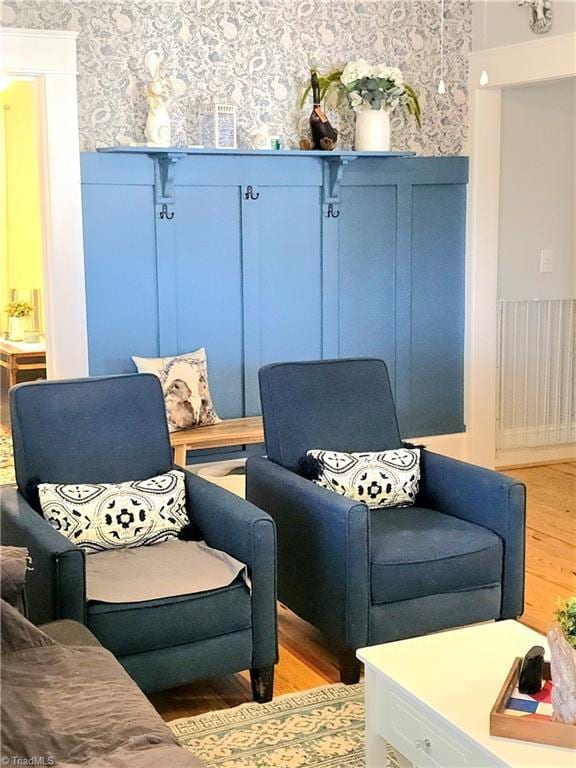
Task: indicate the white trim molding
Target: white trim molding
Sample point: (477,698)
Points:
(539,60)
(546,454)
(50,56)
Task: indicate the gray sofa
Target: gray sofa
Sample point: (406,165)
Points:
(67,701)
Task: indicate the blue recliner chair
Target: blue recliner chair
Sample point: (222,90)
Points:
(366,577)
(114,429)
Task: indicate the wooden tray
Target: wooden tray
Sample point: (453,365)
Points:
(540,731)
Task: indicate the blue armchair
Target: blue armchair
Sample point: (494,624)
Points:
(366,577)
(114,429)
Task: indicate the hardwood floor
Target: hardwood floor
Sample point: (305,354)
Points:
(550,539)
(307,661)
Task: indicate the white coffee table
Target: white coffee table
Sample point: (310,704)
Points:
(430,698)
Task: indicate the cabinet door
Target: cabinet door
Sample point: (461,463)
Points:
(207,272)
(120,273)
(437,306)
(282,280)
(367,273)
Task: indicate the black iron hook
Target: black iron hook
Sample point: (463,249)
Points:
(164,212)
(250,195)
(331,213)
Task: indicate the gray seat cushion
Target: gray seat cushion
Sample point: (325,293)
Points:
(172,568)
(417,552)
(126,628)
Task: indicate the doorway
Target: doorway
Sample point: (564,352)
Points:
(536,407)
(46,61)
(22,323)
(48,57)
(520,65)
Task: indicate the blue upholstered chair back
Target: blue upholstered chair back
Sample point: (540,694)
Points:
(105,429)
(340,405)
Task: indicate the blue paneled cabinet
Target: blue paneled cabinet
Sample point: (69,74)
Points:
(263,257)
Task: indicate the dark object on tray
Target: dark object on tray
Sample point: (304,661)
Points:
(324,135)
(531,672)
(529,728)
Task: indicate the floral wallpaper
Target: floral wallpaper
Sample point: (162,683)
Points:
(256,54)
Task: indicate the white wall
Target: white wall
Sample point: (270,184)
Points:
(504,22)
(537,190)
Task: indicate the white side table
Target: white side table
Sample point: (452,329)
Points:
(430,698)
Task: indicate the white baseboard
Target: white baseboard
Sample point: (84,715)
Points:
(536,437)
(539,455)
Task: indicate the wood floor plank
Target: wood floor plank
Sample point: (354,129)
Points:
(306,658)
(568,468)
(294,674)
(307,644)
(552,521)
(542,598)
(551,558)
(550,539)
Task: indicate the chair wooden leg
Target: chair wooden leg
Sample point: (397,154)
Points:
(349,667)
(262,684)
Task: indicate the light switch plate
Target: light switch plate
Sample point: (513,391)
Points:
(546,260)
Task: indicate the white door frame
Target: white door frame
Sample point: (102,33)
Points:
(538,60)
(51,57)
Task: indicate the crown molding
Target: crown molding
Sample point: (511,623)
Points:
(38,51)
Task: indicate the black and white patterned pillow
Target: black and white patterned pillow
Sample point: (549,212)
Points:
(104,516)
(384,479)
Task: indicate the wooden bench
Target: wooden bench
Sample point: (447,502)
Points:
(229,432)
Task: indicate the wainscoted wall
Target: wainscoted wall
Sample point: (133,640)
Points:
(263,258)
(256,54)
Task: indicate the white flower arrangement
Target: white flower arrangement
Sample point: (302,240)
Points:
(377,85)
(358,70)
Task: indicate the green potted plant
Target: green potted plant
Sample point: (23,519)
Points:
(562,641)
(566,618)
(18,314)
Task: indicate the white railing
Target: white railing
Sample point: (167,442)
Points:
(536,373)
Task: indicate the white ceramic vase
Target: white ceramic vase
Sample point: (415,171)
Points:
(372,130)
(16,328)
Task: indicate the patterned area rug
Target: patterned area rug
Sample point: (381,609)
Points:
(6,459)
(321,728)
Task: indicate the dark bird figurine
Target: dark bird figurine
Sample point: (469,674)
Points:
(324,135)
